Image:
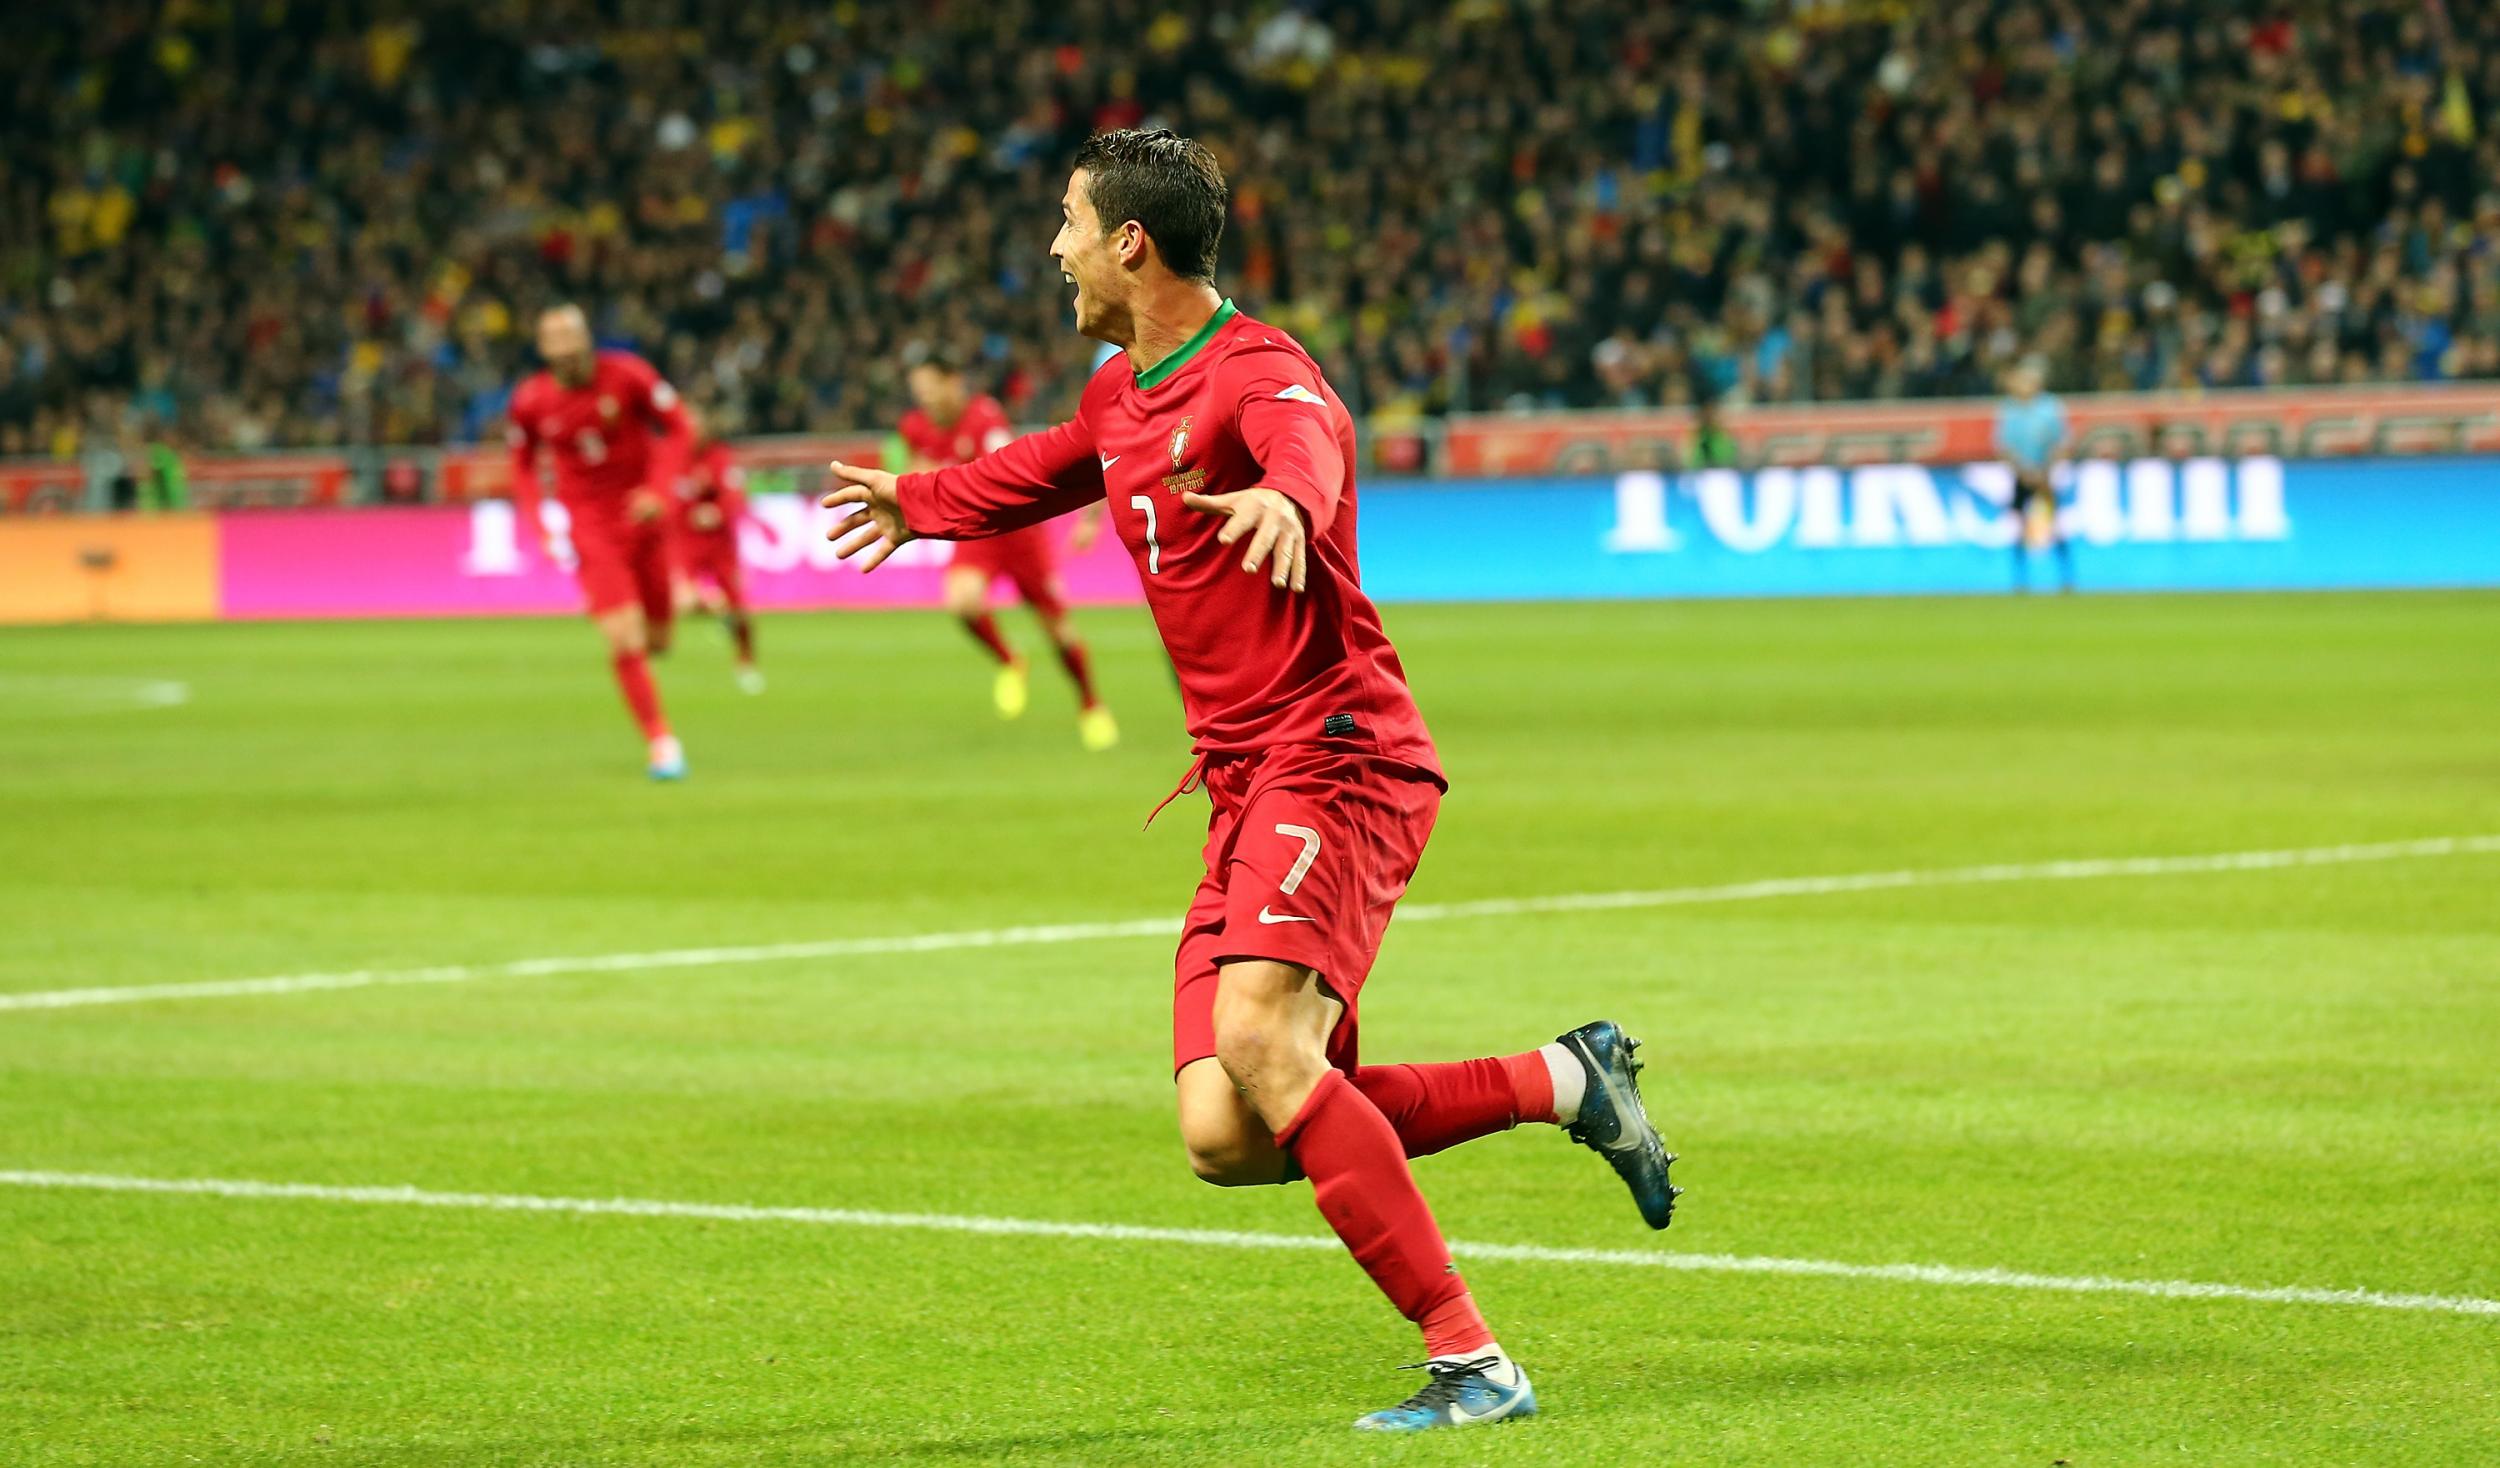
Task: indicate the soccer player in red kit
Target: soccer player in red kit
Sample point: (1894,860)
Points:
(1226,461)
(619,439)
(951,425)
(711,501)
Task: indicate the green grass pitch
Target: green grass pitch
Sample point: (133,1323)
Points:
(2278,1077)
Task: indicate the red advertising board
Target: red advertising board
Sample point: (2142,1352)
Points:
(40,486)
(483,473)
(267,481)
(2292,424)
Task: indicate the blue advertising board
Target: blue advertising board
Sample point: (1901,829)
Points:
(2255,523)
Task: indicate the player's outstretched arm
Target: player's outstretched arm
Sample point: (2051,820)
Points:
(1028,481)
(874,528)
(1271,522)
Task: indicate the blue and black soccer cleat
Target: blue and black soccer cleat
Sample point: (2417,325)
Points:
(1614,1124)
(1463,1392)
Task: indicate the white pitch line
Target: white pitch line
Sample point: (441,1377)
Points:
(1928,1274)
(1424,912)
(458,973)
(72,693)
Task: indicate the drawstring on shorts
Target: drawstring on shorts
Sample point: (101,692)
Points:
(1190,784)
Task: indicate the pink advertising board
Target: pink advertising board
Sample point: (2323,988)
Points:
(473,560)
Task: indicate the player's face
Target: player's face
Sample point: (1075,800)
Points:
(1086,255)
(939,393)
(564,345)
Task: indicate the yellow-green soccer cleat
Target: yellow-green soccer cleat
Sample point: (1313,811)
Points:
(1012,691)
(1097,729)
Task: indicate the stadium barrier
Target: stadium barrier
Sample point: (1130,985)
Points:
(2302,423)
(2298,423)
(2209,523)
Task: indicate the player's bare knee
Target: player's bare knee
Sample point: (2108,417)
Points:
(1227,1144)
(1226,1152)
(1229,1164)
(1264,1051)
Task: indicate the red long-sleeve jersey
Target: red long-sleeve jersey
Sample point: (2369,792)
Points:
(1240,405)
(712,479)
(622,431)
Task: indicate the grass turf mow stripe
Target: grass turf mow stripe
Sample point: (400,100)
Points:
(2045,871)
(1930,1274)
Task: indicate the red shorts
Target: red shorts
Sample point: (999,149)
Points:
(1308,851)
(712,556)
(622,564)
(1025,559)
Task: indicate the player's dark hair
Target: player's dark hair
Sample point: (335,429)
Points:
(1171,185)
(941,360)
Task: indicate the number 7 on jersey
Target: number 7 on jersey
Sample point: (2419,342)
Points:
(1154,551)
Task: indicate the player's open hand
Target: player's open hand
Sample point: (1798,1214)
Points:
(875,523)
(1272,524)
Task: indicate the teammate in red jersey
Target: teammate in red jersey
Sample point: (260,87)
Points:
(619,439)
(953,426)
(711,502)
(1226,461)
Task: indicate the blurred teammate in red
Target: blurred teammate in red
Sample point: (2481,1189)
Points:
(1226,461)
(619,439)
(711,501)
(952,426)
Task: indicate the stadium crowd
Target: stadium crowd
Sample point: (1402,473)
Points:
(252,223)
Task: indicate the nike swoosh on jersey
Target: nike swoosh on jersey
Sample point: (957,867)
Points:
(1282,917)
(1115,458)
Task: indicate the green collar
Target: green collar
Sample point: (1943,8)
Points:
(1153,377)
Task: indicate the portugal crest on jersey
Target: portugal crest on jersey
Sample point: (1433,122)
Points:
(1180,443)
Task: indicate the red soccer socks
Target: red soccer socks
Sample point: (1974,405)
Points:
(633,679)
(984,630)
(1434,1107)
(1359,1176)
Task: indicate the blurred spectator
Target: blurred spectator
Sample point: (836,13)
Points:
(289,222)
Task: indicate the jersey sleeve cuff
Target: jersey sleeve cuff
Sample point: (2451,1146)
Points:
(1319,511)
(914,493)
